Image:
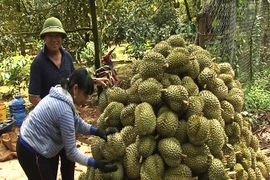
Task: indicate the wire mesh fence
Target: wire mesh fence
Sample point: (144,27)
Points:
(238,33)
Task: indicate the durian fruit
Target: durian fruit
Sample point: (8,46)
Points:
(258,173)
(180,172)
(176,97)
(101,121)
(219,89)
(170,79)
(149,91)
(97,145)
(135,67)
(167,123)
(212,108)
(118,94)
(227,111)
(181,132)
(134,78)
(131,162)
(181,120)
(229,156)
(263,169)
(103,99)
(206,77)
(251,174)
(193,69)
(226,68)
(163,48)
(128,134)
(240,172)
(195,106)
(112,114)
(114,147)
(198,129)
(190,85)
(216,139)
(178,62)
(203,59)
(91,173)
(127,115)
(217,171)
(132,92)
(193,47)
(145,119)
(146,145)
(118,174)
(151,69)
(152,168)
(153,56)
(171,151)
(180,49)
(228,80)
(233,132)
(197,158)
(236,99)
(176,41)
(152,66)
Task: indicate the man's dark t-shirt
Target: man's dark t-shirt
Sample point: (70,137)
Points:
(44,74)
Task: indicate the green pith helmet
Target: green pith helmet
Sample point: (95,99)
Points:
(53,25)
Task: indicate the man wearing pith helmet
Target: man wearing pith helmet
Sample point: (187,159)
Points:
(50,65)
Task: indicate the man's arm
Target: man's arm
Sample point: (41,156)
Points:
(35,83)
(34,99)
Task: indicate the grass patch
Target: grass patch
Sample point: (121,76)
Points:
(120,52)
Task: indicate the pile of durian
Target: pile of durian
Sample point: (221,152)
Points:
(180,119)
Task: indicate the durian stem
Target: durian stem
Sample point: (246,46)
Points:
(231,148)
(141,159)
(238,152)
(210,156)
(163,90)
(185,102)
(184,155)
(232,174)
(166,65)
(204,86)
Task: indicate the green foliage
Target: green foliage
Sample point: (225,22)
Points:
(16,71)
(187,30)
(140,22)
(87,56)
(138,51)
(122,21)
(257,93)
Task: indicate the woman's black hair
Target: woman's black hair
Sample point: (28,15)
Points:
(80,77)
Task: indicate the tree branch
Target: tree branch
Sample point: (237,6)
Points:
(187,9)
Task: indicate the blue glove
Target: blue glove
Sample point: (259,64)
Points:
(105,166)
(104,133)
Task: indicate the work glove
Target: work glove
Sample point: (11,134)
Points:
(105,166)
(104,133)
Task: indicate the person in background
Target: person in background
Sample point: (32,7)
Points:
(52,126)
(50,65)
